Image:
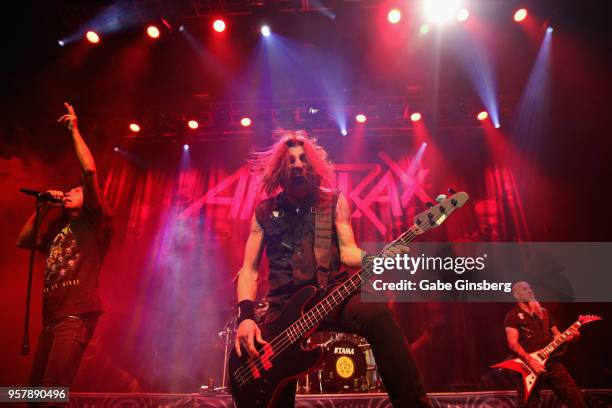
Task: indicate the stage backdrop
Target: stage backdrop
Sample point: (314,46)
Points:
(181,220)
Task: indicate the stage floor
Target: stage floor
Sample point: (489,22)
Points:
(497,399)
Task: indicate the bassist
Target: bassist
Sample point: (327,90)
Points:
(294,173)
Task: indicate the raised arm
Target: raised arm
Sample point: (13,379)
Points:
(91,189)
(350,253)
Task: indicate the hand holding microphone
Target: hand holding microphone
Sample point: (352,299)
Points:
(51,198)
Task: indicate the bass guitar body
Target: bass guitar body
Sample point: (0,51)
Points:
(257,382)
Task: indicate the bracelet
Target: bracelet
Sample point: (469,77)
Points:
(246,310)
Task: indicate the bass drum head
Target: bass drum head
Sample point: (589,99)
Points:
(344,368)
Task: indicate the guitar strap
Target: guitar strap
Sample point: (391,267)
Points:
(323,237)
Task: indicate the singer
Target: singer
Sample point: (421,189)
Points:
(75,243)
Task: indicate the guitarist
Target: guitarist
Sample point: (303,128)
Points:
(529,327)
(293,173)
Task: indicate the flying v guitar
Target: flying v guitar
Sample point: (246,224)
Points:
(528,375)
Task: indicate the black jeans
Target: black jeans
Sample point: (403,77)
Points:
(562,384)
(394,360)
(60,348)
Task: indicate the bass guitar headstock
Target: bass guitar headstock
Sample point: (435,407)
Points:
(436,214)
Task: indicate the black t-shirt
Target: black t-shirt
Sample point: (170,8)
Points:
(75,250)
(534,333)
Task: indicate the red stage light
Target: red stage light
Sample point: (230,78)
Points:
(361,118)
(520,15)
(193,124)
(153,31)
(92,37)
(482,115)
(463,15)
(219,25)
(415,117)
(246,122)
(134,127)
(394,16)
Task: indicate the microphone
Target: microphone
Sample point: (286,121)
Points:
(41,195)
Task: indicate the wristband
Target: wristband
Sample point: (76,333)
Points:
(246,310)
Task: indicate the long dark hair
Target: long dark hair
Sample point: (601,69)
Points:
(273,168)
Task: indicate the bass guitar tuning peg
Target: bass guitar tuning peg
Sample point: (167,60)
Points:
(440,198)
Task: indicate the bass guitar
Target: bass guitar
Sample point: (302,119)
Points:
(256,382)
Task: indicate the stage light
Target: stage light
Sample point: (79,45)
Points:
(134,127)
(361,118)
(549,30)
(245,122)
(415,117)
(92,37)
(193,124)
(116,149)
(344,132)
(185,147)
(394,16)
(424,29)
(181,28)
(440,11)
(61,43)
(482,115)
(153,31)
(265,31)
(520,15)
(219,25)
(463,15)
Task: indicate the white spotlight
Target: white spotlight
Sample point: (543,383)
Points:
(265,31)
(441,11)
(463,15)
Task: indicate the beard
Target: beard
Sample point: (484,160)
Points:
(536,308)
(302,183)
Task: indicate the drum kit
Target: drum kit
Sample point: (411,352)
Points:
(348,362)
(348,366)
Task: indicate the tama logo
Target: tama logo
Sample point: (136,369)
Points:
(344,350)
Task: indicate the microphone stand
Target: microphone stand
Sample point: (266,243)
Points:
(25,347)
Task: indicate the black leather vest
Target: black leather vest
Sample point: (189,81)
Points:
(289,235)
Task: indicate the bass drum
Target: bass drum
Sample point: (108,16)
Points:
(344,368)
